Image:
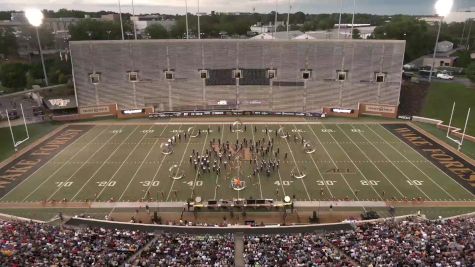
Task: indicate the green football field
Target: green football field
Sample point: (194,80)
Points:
(128,163)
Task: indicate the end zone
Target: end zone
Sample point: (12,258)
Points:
(450,163)
(22,167)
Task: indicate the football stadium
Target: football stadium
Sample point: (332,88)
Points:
(234,152)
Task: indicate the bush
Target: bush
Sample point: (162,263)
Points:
(14,75)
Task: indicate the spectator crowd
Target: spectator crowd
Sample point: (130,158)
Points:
(34,244)
(409,242)
(188,250)
(290,250)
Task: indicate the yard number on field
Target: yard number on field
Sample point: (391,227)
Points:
(148,131)
(356,130)
(414,182)
(191,183)
(64,184)
(286,183)
(116,131)
(106,183)
(324,183)
(328,131)
(150,183)
(369,182)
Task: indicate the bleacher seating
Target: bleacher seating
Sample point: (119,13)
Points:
(403,242)
(362,59)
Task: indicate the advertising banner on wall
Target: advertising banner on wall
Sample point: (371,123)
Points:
(171,114)
(94,109)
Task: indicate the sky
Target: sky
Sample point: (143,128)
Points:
(382,7)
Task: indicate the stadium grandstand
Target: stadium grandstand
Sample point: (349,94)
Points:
(275,75)
(401,241)
(287,149)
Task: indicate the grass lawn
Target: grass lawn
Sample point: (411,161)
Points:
(36,131)
(439,101)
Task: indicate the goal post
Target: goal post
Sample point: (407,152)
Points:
(16,144)
(449,129)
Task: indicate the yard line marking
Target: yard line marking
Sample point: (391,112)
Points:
(278,169)
(217,176)
(104,163)
(386,157)
(258,175)
(296,165)
(179,165)
(415,164)
(364,153)
(57,170)
(46,163)
(122,164)
(316,167)
(364,176)
(140,167)
(237,138)
(198,169)
(334,164)
(158,170)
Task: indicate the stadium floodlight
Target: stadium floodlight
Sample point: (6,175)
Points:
(35,18)
(442,8)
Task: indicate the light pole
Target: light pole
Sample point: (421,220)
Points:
(186,18)
(442,8)
(353,19)
(198,15)
(288,20)
(339,18)
(35,18)
(133,22)
(275,18)
(120,19)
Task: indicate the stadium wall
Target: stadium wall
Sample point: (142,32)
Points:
(288,90)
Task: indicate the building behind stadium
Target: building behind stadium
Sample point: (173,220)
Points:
(253,75)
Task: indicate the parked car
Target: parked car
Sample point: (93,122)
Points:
(445,76)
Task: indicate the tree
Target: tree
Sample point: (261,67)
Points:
(356,34)
(13,75)
(419,36)
(463,59)
(8,45)
(298,17)
(470,71)
(89,29)
(46,37)
(156,31)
